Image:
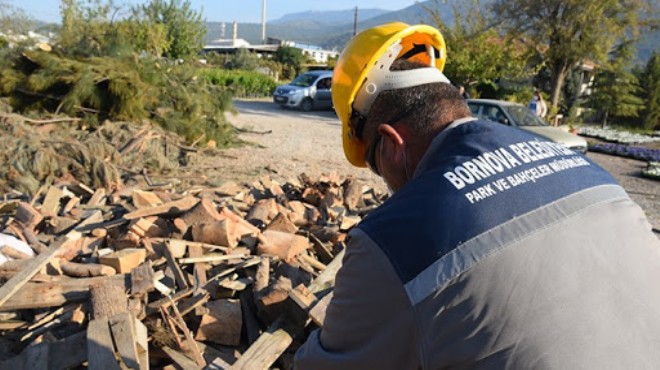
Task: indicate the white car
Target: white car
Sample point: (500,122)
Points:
(311,90)
(517,115)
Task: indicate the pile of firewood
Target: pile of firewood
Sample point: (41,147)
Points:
(229,277)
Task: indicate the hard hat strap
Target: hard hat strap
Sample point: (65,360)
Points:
(380,78)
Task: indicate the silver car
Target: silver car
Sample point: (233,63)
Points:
(311,90)
(517,115)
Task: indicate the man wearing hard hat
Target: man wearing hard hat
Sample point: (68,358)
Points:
(498,249)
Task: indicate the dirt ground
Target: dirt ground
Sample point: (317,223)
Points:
(286,143)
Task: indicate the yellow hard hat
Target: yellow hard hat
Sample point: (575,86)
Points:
(362,72)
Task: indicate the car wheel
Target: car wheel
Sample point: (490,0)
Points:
(306,105)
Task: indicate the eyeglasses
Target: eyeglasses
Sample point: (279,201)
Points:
(370,155)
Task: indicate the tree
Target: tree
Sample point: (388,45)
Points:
(14,20)
(615,88)
(185,27)
(292,58)
(476,53)
(566,32)
(244,59)
(650,82)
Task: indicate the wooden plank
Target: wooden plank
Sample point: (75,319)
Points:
(51,205)
(192,345)
(123,333)
(181,359)
(19,280)
(199,268)
(211,258)
(173,208)
(57,292)
(100,349)
(317,313)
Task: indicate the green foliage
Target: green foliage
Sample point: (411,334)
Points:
(650,81)
(291,58)
(569,31)
(185,27)
(240,83)
(615,90)
(14,20)
(131,89)
(245,60)
(477,54)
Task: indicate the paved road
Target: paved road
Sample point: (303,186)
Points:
(311,143)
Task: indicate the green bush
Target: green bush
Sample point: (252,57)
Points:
(240,83)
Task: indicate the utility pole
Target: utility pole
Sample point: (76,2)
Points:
(355,19)
(263,21)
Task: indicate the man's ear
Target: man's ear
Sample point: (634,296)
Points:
(396,136)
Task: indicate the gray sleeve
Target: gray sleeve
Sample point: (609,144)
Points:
(369,322)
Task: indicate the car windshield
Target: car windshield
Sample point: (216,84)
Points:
(523,117)
(305,80)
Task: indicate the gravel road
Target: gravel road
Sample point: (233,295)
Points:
(298,142)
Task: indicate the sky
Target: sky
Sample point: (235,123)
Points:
(227,10)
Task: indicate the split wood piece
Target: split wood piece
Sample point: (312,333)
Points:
(179,277)
(180,359)
(124,260)
(245,228)
(192,345)
(57,292)
(10,252)
(165,302)
(303,298)
(90,217)
(223,323)
(312,196)
(204,211)
(99,233)
(151,227)
(145,199)
(130,338)
(168,209)
(262,212)
(282,223)
(329,235)
(108,299)
(100,348)
(297,215)
(73,248)
(179,246)
(142,279)
(348,222)
(229,188)
(352,195)
(271,344)
(86,269)
(27,216)
(189,304)
(283,245)
(51,205)
(34,243)
(311,261)
(70,204)
(180,225)
(271,305)
(211,258)
(317,312)
(262,277)
(199,269)
(321,251)
(98,198)
(217,232)
(20,279)
(66,353)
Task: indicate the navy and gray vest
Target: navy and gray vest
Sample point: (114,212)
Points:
(468,196)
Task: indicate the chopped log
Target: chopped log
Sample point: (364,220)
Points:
(317,312)
(99,233)
(168,209)
(352,195)
(348,222)
(98,198)
(19,280)
(282,223)
(262,212)
(73,248)
(27,217)
(51,205)
(262,277)
(108,299)
(151,227)
(70,205)
(86,269)
(180,225)
(125,260)
(223,323)
(211,258)
(244,227)
(311,261)
(216,232)
(204,211)
(145,199)
(283,245)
